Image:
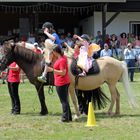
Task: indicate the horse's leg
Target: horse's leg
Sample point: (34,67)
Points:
(40,91)
(117,112)
(74,100)
(113,92)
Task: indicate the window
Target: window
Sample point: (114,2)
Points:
(134,27)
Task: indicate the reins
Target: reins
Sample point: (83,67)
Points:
(50,88)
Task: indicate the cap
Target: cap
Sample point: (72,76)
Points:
(85,36)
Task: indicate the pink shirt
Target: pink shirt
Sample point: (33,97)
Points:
(123,41)
(13,76)
(61,64)
(137,43)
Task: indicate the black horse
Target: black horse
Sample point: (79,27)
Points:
(32,64)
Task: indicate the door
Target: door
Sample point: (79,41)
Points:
(24,27)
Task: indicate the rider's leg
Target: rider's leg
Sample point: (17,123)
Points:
(43,78)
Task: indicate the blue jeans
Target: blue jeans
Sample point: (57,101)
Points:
(131,69)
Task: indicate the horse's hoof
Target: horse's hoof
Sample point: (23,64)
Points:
(75,117)
(43,113)
(117,114)
(111,114)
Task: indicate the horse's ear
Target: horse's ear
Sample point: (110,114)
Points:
(11,44)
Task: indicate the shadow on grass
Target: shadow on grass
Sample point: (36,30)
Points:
(55,114)
(83,118)
(104,115)
(38,114)
(129,115)
(32,114)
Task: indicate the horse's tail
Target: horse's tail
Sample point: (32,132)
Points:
(128,90)
(99,99)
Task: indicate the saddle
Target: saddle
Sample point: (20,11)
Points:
(76,70)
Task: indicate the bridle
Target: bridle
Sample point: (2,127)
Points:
(5,59)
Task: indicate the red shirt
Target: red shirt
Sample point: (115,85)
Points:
(13,76)
(61,64)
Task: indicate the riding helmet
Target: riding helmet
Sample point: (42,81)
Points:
(86,37)
(47,25)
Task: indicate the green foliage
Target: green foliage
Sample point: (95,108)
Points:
(30,125)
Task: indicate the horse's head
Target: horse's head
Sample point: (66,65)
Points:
(7,55)
(48,51)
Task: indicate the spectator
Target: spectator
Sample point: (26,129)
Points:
(31,39)
(129,56)
(70,41)
(62,38)
(123,41)
(130,38)
(99,39)
(137,42)
(62,81)
(107,39)
(114,46)
(41,41)
(13,85)
(106,51)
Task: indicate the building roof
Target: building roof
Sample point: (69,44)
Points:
(82,7)
(112,1)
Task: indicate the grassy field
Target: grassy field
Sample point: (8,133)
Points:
(29,125)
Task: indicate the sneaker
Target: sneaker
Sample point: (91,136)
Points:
(42,79)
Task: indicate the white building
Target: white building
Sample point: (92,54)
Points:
(77,15)
(128,22)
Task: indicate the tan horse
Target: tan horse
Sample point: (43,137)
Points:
(111,71)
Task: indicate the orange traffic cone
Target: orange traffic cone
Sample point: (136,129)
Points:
(91,116)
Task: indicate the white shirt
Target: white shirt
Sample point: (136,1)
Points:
(105,53)
(129,54)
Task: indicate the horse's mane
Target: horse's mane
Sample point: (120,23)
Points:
(27,54)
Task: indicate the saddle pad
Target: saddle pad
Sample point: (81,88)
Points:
(76,70)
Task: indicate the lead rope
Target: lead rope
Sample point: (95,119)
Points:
(50,90)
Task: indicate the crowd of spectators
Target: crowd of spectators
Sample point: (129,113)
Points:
(113,46)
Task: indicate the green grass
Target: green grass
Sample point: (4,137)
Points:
(30,125)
